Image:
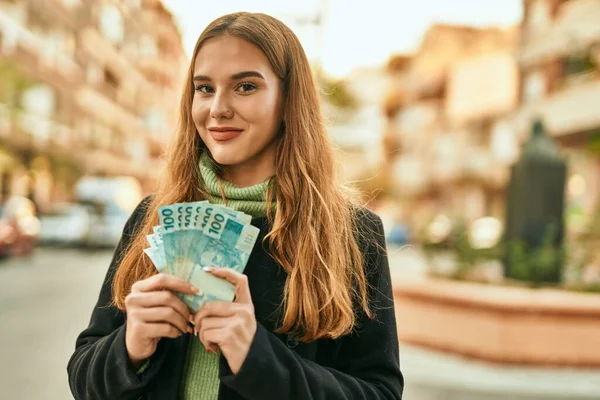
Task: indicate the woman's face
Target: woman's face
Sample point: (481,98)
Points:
(237,103)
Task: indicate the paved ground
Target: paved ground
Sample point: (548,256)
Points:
(46,300)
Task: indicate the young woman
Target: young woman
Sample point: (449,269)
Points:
(313,316)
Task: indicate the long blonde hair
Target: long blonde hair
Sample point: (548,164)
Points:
(313,229)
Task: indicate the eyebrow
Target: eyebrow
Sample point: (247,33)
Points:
(234,77)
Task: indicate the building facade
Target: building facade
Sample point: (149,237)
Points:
(460,108)
(559,58)
(87,88)
(442,153)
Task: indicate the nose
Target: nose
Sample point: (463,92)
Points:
(220,107)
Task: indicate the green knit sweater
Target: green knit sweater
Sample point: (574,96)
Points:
(201,372)
(250,200)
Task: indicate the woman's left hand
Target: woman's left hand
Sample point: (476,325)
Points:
(229,325)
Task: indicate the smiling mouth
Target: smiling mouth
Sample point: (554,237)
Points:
(223,135)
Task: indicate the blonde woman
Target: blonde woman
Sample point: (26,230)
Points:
(313,316)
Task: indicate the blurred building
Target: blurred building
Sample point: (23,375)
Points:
(87,87)
(356,131)
(559,59)
(443,153)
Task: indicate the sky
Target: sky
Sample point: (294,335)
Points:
(353,33)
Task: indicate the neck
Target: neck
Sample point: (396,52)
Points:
(252,172)
(242,176)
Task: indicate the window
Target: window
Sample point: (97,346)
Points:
(93,73)
(111,23)
(133,4)
(71,3)
(148,47)
(540,16)
(534,87)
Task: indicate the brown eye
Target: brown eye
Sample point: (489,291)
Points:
(203,89)
(246,87)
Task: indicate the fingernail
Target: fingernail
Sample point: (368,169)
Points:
(208,269)
(195,289)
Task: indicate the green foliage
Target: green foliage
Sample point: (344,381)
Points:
(538,264)
(579,63)
(13,83)
(65,169)
(467,257)
(594,141)
(533,266)
(335,91)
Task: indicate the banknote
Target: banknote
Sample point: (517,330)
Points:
(206,211)
(167,218)
(222,242)
(155,257)
(195,235)
(231,232)
(156,250)
(211,288)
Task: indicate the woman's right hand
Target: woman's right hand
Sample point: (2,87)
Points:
(154,312)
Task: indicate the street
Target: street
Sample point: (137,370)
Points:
(46,300)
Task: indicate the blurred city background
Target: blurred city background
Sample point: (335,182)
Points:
(471,127)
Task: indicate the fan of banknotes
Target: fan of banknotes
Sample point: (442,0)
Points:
(195,235)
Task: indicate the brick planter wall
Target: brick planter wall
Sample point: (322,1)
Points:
(500,324)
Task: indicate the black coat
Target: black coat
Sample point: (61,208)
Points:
(362,365)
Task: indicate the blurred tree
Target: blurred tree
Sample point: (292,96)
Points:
(12,84)
(65,170)
(335,91)
(579,63)
(594,141)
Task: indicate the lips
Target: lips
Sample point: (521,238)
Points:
(223,134)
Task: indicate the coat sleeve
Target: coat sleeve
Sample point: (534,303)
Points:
(367,365)
(100,368)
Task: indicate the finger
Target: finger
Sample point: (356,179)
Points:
(213,337)
(164,314)
(158,299)
(209,346)
(213,347)
(216,309)
(164,281)
(242,290)
(155,330)
(211,323)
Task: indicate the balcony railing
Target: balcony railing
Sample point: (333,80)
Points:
(15,35)
(26,129)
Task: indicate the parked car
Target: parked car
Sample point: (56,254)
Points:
(111,201)
(68,224)
(96,220)
(399,235)
(106,225)
(19,227)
